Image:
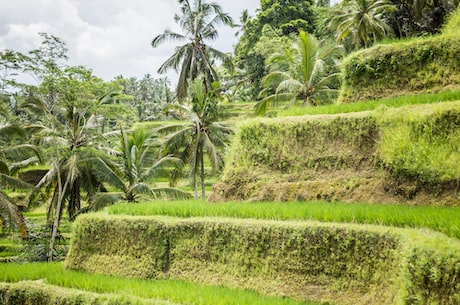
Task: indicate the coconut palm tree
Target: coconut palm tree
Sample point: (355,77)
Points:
(138,163)
(202,135)
(72,137)
(364,20)
(304,72)
(198,20)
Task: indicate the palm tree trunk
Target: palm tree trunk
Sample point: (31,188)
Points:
(195,185)
(203,190)
(57,217)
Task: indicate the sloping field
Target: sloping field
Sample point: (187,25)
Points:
(340,263)
(430,64)
(389,155)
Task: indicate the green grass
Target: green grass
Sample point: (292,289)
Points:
(442,219)
(427,98)
(173,290)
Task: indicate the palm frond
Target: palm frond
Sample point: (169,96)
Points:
(163,166)
(273,79)
(101,200)
(16,166)
(272,101)
(171,192)
(13,182)
(167,36)
(11,216)
(106,173)
(4,167)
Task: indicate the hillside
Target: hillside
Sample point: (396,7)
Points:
(406,154)
(388,151)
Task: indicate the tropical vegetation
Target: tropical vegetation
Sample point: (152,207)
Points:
(364,20)
(359,173)
(309,75)
(202,134)
(198,20)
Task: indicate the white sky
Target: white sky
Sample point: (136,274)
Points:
(111,37)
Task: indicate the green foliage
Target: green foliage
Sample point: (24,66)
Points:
(286,17)
(419,17)
(306,143)
(289,16)
(305,72)
(433,277)
(150,97)
(364,20)
(442,219)
(429,64)
(202,135)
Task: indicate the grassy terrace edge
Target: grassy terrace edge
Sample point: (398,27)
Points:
(442,219)
(62,286)
(307,260)
(416,99)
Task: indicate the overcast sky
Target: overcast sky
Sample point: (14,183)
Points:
(111,37)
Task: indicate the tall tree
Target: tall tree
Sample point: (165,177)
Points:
(365,20)
(150,96)
(285,16)
(202,135)
(304,72)
(199,22)
(419,17)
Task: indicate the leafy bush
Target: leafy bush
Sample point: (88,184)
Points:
(433,278)
(294,145)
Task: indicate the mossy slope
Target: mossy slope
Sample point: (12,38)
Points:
(343,264)
(398,69)
(407,154)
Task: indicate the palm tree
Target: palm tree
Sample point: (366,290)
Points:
(304,73)
(203,134)
(199,22)
(14,156)
(133,171)
(72,132)
(364,20)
